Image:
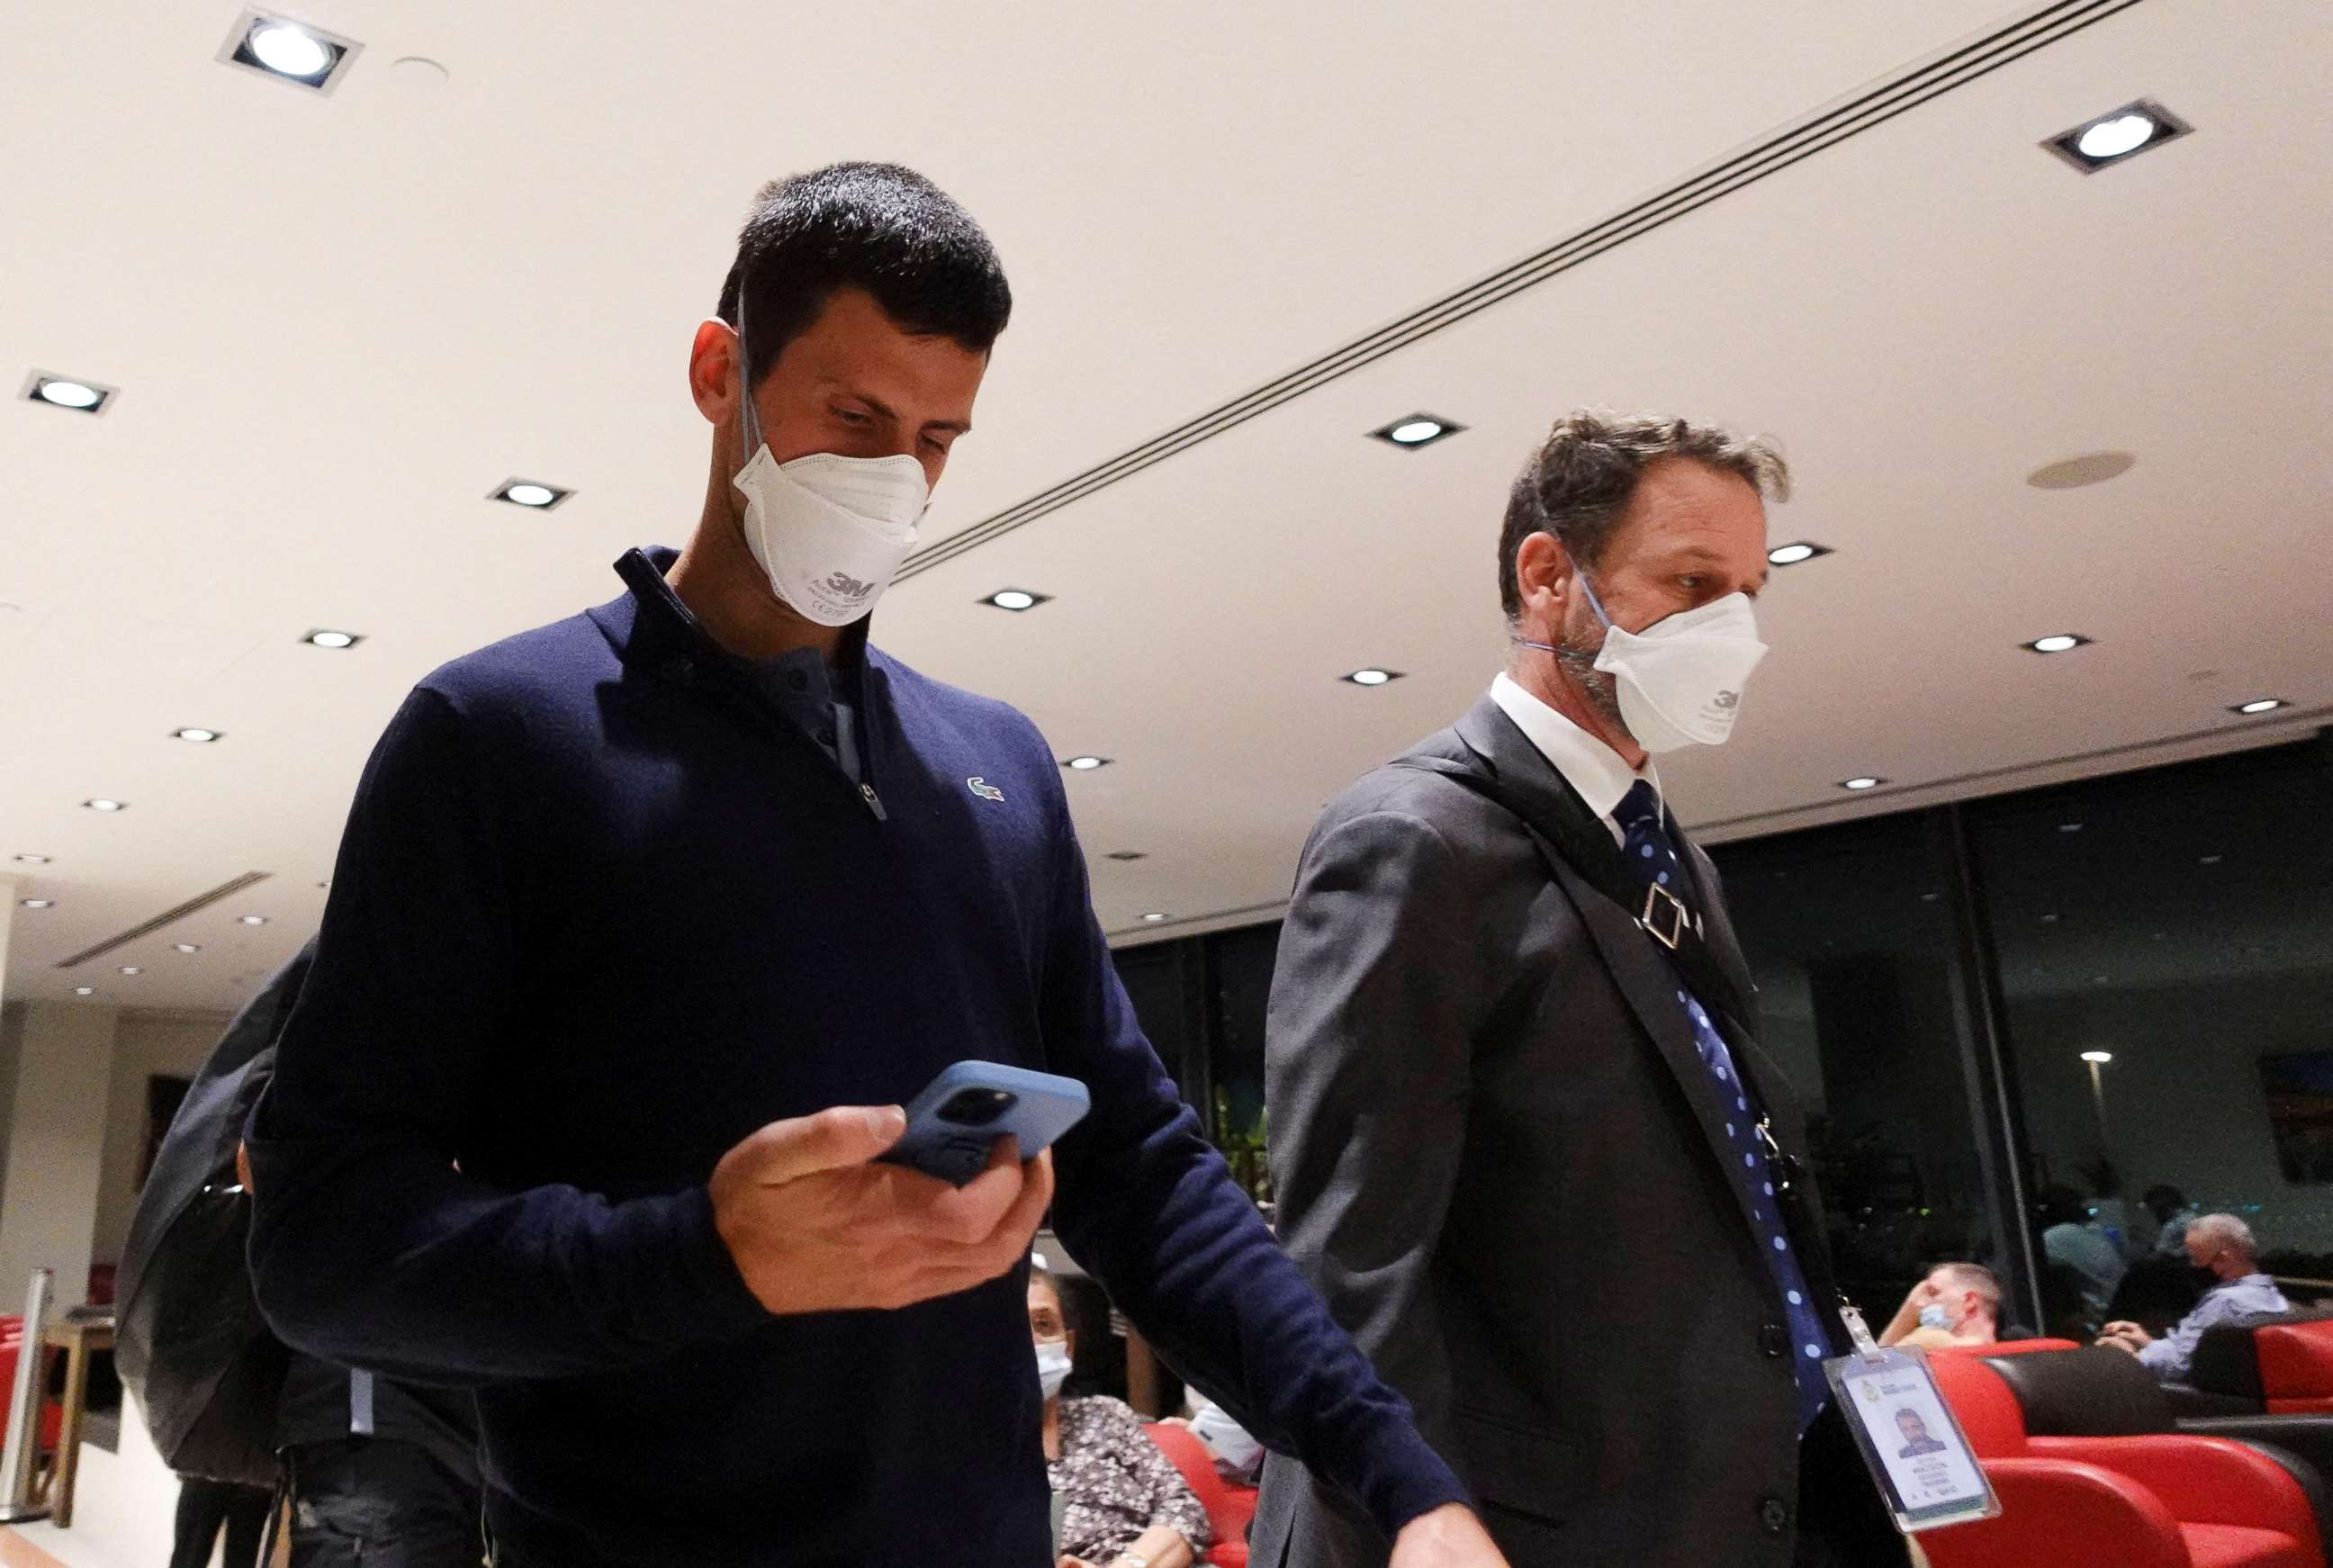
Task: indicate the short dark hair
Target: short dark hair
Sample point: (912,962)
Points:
(877,226)
(1579,482)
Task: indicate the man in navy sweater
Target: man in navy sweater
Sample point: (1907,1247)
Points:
(644,925)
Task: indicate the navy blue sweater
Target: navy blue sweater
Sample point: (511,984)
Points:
(600,911)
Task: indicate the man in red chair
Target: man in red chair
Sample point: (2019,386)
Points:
(2222,1246)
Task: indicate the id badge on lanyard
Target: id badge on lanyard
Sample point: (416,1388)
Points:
(1909,1437)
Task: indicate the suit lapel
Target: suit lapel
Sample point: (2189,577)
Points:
(1650,984)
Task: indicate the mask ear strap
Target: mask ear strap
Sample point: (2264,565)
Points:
(1579,575)
(749,424)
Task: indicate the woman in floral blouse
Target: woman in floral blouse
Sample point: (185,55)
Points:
(1125,1505)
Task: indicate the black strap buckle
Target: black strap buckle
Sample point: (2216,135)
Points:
(1661,906)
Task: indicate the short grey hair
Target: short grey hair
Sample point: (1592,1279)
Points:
(1579,481)
(2228,1231)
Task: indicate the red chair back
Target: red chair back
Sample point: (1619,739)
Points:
(2296,1366)
(2013,1348)
(1229,1506)
(1986,1406)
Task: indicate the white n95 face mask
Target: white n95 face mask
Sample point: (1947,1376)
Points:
(1680,679)
(1933,1317)
(1230,1440)
(830,531)
(1052,1366)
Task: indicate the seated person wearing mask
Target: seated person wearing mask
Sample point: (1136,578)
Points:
(1123,1504)
(1959,1303)
(2222,1246)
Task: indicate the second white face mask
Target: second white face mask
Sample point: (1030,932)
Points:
(1680,679)
(1053,1366)
(831,531)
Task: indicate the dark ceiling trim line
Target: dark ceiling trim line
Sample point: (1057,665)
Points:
(199,901)
(1168,928)
(1876,106)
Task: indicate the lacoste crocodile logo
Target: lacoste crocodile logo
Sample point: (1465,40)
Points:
(983,789)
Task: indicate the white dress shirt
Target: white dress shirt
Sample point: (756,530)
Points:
(1592,768)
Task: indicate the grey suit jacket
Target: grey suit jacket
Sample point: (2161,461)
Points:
(1487,1159)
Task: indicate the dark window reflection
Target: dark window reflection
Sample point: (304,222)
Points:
(1849,934)
(2178,922)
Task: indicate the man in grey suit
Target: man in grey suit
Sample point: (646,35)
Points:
(1522,1136)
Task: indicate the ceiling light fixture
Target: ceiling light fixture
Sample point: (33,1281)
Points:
(2100,1057)
(1128,855)
(195,734)
(2258,705)
(2056,642)
(2073,473)
(1416,431)
(323,636)
(131,969)
(77,393)
(102,804)
(31,860)
(1154,918)
(1086,763)
(38,903)
(1864,781)
(187,946)
(288,50)
(1798,550)
(1015,600)
(254,919)
(532,494)
(2136,126)
(1373,677)
(84,990)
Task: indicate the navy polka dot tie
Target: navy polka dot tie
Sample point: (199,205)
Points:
(1653,860)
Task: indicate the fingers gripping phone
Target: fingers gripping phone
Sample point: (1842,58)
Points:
(954,1125)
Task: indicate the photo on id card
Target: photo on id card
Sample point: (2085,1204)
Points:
(1916,1450)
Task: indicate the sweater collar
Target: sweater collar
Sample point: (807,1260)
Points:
(650,626)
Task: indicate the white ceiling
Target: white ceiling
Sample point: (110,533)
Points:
(338,322)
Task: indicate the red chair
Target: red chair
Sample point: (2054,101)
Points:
(1229,1505)
(2296,1366)
(2155,1501)
(12,1345)
(2008,1348)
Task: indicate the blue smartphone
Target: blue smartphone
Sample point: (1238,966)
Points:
(956,1122)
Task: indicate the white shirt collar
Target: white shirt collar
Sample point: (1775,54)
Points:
(1592,768)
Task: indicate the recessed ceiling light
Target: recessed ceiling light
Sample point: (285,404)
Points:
(102,804)
(38,903)
(2209,859)
(2073,473)
(1154,918)
(1016,598)
(2069,827)
(131,969)
(2099,1056)
(1864,781)
(1086,763)
(187,946)
(2113,137)
(323,636)
(201,736)
(31,860)
(2049,919)
(2258,705)
(1416,431)
(529,493)
(1373,677)
(84,990)
(2056,642)
(1798,550)
(288,50)
(1128,855)
(78,393)
(254,919)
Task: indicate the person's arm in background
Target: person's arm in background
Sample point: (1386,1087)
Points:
(367,1247)
(1149,1208)
(1908,1316)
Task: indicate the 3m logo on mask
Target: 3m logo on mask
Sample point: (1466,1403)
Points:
(1726,701)
(983,789)
(845,586)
